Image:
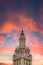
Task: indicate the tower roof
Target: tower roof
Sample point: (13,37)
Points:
(22,33)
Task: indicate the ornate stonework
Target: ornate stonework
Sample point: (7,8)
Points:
(22,54)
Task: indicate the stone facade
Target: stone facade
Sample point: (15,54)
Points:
(22,54)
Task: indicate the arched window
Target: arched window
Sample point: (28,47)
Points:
(18,52)
(26,63)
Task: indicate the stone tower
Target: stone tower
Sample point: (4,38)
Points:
(22,54)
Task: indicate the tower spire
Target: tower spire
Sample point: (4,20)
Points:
(22,39)
(22,33)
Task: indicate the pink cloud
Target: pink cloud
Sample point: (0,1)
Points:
(35,46)
(7,49)
(17,20)
(1,40)
(8,26)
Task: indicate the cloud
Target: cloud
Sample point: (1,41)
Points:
(34,44)
(8,27)
(30,24)
(18,20)
(37,59)
(1,40)
(7,49)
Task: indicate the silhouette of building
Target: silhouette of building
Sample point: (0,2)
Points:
(22,55)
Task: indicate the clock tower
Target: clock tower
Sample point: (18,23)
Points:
(22,54)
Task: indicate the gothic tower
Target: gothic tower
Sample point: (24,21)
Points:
(22,54)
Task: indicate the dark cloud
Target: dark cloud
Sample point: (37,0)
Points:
(2,34)
(30,7)
(38,35)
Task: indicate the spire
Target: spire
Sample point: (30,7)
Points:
(22,39)
(22,33)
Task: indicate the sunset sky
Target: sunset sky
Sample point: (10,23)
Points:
(15,14)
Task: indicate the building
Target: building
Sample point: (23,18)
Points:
(22,54)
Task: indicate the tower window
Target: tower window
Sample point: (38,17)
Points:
(26,63)
(18,52)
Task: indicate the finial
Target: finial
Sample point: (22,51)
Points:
(22,31)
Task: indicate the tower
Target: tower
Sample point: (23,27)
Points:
(22,54)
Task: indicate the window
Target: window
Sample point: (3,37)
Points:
(29,60)
(26,63)
(18,52)
(29,64)
(28,52)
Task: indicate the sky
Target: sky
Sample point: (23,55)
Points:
(15,14)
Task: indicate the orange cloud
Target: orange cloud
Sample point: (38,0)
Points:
(1,40)
(7,49)
(8,26)
(30,24)
(16,21)
(35,46)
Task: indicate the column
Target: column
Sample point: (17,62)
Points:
(25,61)
(22,61)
